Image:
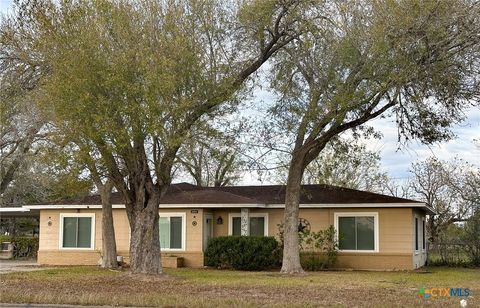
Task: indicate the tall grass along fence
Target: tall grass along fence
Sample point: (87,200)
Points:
(449,254)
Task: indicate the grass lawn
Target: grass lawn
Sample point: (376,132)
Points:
(207,287)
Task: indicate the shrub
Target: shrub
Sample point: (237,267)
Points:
(25,247)
(319,249)
(448,254)
(242,252)
(457,245)
(471,238)
(312,261)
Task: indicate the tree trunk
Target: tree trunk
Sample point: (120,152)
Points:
(109,245)
(145,241)
(291,251)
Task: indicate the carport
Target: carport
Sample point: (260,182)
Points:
(15,223)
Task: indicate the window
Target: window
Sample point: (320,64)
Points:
(416,233)
(237,225)
(172,231)
(258,224)
(423,234)
(357,231)
(77,231)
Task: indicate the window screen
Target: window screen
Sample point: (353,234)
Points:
(356,233)
(416,233)
(170,229)
(77,232)
(347,236)
(176,232)
(423,234)
(365,233)
(257,226)
(236,226)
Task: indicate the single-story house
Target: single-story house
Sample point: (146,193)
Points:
(378,232)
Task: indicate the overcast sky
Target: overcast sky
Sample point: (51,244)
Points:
(4,5)
(395,161)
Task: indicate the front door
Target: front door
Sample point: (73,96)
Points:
(207,229)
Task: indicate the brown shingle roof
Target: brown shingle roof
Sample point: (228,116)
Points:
(184,193)
(312,194)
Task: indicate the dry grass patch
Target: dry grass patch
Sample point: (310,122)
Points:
(208,288)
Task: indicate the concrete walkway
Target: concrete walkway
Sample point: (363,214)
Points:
(9,266)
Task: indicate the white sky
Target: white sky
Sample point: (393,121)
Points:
(395,161)
(4,5)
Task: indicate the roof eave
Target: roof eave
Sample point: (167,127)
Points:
(422,205)
(122,206)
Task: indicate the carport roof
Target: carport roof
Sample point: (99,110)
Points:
(18,212)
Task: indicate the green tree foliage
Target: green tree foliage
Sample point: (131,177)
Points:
(343,162)
(417,62)
(27,226)
(471,238)
(46,177)
(24,247)
(21,123)
(128,80)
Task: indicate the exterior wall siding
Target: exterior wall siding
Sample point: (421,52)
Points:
(60,257)
(375,261)
(396,233)
(50,252)
(395,228)
(419,256)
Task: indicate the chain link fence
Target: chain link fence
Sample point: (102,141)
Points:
(447,254)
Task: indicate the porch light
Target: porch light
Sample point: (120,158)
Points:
(219,220)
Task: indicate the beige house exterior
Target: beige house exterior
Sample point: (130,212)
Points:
(385,233)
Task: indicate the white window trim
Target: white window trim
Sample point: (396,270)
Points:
(421,221)
(416,239)
(92,239)
(184,231)
(232,215)
(337,215)
(424,236)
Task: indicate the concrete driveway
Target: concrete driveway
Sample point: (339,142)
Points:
(9,266)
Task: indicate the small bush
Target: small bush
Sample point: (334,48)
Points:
(457,245)
(471,238)
(312,262)
(319,249)
(24,247)
(242,252)
(447,253)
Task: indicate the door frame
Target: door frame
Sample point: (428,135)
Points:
(205,217)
